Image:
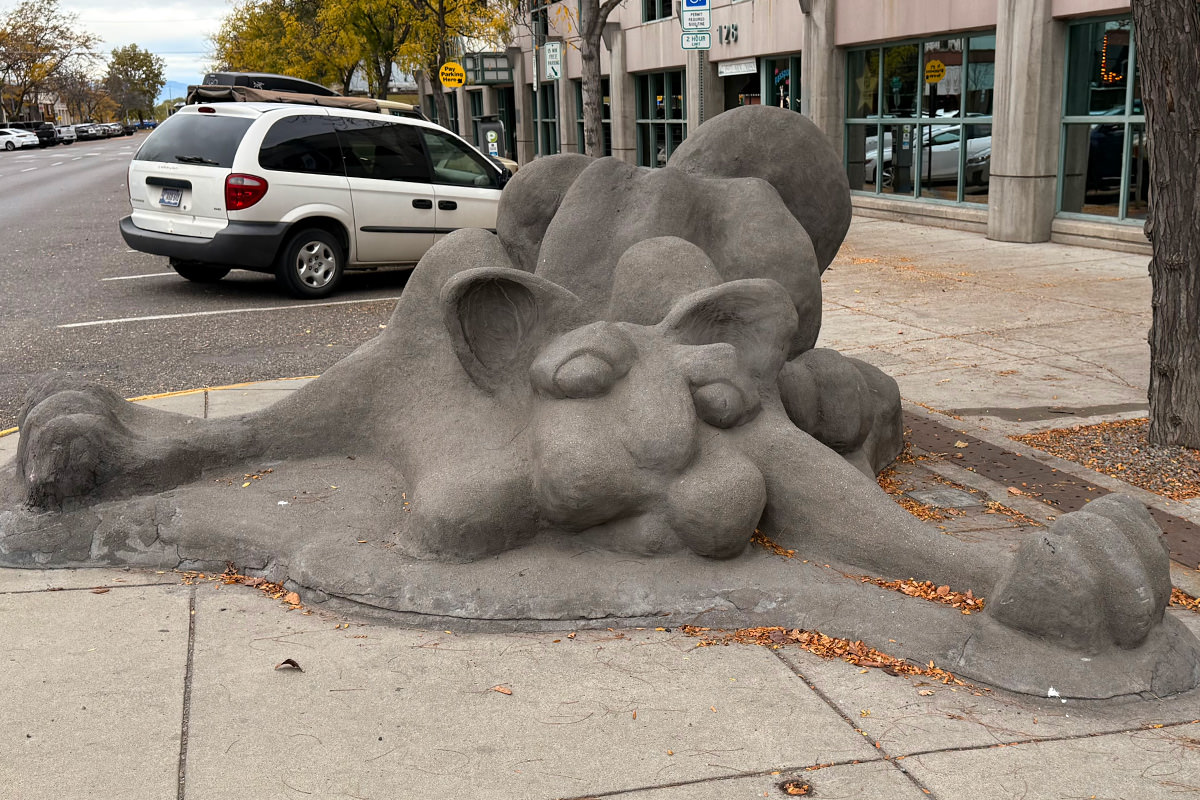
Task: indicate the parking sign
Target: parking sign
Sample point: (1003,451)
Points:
(696,5)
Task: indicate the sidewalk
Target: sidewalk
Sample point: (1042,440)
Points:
(135,684)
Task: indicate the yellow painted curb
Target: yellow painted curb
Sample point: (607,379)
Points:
(182,392)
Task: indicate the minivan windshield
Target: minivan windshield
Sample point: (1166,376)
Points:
(210,140)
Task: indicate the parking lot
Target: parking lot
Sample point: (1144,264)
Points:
(77,298)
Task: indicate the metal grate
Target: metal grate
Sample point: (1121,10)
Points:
(1065,492)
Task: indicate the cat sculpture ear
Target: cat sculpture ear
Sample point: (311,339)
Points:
(756,316)
(499,319)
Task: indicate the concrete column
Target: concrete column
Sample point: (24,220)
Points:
(490,108)
(623,96)
(823,74)
(1025,131)
(523,111)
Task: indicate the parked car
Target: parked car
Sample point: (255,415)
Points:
(44,131)
(115,128)
(13,138)
(939,154)
(304,192)
(66,134)
(88,130)
(130,128)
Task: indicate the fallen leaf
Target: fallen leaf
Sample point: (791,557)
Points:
(289,663)
(292,599)
(925,692)
(244,485)
(99,590)
(501,689)
(960,444)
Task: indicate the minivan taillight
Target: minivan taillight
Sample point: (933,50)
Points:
(243,191)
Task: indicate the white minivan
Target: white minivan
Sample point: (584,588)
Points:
(304,192)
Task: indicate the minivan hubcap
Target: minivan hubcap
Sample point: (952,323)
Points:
(315,264)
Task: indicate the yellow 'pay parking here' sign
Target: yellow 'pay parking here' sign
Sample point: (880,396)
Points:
(452,75)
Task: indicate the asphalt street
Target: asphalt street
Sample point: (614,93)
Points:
(76,298)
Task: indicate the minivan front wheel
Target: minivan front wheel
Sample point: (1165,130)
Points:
(311,264)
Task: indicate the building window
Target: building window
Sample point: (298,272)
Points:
(1104,165)
(919,118)
(545,129)
(782,82)
(539,20)
(476,101)
(656,9)
(661,116)
(506,105)
(452,107)
(605,114)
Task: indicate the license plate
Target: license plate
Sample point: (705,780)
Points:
(170,197)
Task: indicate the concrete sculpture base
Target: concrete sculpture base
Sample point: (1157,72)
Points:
(580,421)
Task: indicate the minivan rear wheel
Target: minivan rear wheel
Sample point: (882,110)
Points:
(311,264)
(198,272)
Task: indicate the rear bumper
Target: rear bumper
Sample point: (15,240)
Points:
(249,245)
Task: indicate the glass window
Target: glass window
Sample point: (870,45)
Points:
(783,82)
(382,150)
(900,82)
(605,114)
(947,80)
(661,116)
(862,80)
(656,9)
(302,143)
(1103,163)
(942,70)
(456,164)
(210,140)
(981,76)
(546,122)
(476,100)
(506,105)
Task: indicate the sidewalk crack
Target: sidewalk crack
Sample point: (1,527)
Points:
(181,788)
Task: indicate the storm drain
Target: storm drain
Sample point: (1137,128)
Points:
(1063,491)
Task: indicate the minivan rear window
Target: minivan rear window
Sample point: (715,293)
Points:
(209,140)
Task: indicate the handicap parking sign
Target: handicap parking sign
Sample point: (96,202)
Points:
(695,5)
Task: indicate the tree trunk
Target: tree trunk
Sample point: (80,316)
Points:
(590,27)
(1167,38)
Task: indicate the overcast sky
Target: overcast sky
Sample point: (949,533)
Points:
(175,30)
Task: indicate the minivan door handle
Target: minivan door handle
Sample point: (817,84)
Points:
(447,205)
(422,203)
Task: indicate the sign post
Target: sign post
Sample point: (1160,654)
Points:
(696,41)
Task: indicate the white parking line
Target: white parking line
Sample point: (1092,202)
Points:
(135,277)
(157,317)
(31,169)
(57,164)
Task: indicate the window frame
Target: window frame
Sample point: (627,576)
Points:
(879,123)
(1127,120)
(674,128)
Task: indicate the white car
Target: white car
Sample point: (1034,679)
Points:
(13,138)
(65,134)
(304,192)
(939,157)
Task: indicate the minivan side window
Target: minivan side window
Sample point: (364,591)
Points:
(303,143)
(382,151)
(455,163)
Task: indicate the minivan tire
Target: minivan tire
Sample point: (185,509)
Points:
(198,272)
(311,264)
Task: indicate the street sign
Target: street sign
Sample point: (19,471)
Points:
(934,71)
(692,20)
(553,51)
(696,41)
(696,5)
(452,75)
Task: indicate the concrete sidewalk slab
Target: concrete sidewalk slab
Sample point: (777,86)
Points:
(1155,764)
(56,580)
(383,711)
(93,687)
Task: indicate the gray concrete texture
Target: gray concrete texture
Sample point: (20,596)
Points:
(568,730)
(636,400)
